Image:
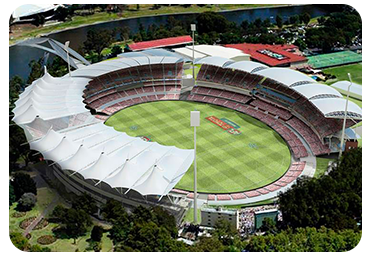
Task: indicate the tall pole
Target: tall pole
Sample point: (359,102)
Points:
(195,180)
(345,118)
(195,121)
(193,28)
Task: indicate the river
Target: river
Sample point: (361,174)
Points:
(19,56)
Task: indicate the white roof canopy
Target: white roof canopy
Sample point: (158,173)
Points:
(354,88)
(335,108)
(285,76)
(91,148)
(315,90)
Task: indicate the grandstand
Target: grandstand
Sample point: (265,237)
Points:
(63,119)
(334,59)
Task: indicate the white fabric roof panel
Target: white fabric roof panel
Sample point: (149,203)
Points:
(315,90)
(214,61)
(247,66)
(354,88)
(335,107)
(93,149)
(188,53)
(285,76)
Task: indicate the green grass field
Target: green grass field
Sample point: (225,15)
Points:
(341,73)
(225,162)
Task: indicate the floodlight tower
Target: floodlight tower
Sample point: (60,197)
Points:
(193,29)
(66,45)
(195,121)
(345,117)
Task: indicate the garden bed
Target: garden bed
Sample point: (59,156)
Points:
(46,240)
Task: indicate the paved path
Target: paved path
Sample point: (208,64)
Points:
(50,207)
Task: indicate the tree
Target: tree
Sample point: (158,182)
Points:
(115,51)
(38,20)
(15,85)
(76,223)
(11,194)
(211,21)
(36,70)
(305,240)
(23,183)
(301,44)
(279,21)
(97,40)
(27,202)
(112,210)
(59,213)
(61,13)
(208,244)
(38,248)
(96,233)
(305,18)
(226,234)
(19,241)
(333,201)
(86,203)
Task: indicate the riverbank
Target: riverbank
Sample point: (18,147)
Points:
(144,11)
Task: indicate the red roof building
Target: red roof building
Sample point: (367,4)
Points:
(166,42)
(273,55)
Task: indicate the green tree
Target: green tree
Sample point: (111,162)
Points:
(116,49)
(97,40)
(301,44)
(96,233)
(23,183)
(225,233)
(76,223)
(268,226)
(211,21)
(19,241)
(59,213)
(15,85)
(305,18)
(333,201)
(11,194)
(208,244)
(279,21)
(112,210)
(37,70)
(26,202)
(38,248)
(86,203)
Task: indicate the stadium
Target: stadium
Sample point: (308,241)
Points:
(120,128)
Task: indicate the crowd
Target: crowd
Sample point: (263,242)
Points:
(246,217)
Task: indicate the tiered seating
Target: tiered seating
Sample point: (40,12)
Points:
(294,142)
(311,138)
(221,94)
(282,113)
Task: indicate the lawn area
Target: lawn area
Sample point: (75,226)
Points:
(44,197)
(322,164)
(145,10)
(226,162)
(341,73)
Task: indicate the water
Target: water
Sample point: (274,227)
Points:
(19,56)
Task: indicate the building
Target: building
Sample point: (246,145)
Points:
(161,43)
(261,215)
(209,216)
(273,55)
(203,50)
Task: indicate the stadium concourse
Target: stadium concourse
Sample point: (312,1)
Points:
(63,119)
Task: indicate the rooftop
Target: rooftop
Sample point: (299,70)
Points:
(171,41)
(271,55)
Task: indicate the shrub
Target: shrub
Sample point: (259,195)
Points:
(97,233)
(38,248)
(23,183)
(47,239)
(19,241)
(27,202)
(18,214)
(25,223)
(42,224)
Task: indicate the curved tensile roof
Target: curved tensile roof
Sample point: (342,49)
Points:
(354,88)
(335,108)
(248,66)
(87,146)
(315,90)
(286,76)
(215,61)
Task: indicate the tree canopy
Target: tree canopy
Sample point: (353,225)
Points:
(23,183)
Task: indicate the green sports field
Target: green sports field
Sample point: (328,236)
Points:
(225,162)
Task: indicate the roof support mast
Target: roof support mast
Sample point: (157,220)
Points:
(345,118)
